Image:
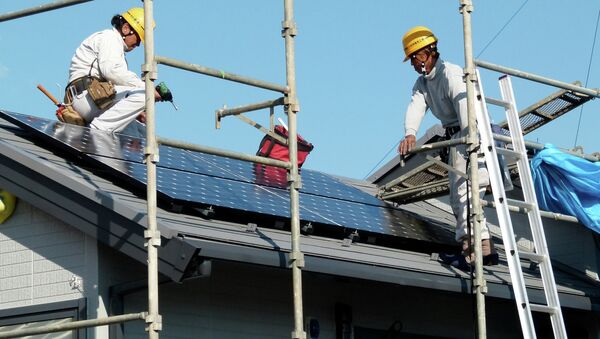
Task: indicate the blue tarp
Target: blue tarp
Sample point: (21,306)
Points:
(567,184)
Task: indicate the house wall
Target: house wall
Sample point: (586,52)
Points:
(43,260)
(247,301)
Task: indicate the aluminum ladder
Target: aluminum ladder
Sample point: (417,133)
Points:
(540,255)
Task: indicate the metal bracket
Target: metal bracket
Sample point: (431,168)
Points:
(151,154)
(218,116)
(469,76)
(288,28)
(153,239)
(466,5)
(292,104)
(307,228)
(294,183)
(298,258)
(298,335)
(350,239)
(154,324)
(251,227)
(150,70)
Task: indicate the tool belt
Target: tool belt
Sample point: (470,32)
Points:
(445,152)
(450,131)
(101,92)
(80,84)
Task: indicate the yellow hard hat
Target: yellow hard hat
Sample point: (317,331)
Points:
(7,205)
(135,18)
(417,38)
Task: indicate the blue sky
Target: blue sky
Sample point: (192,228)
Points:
(352,84)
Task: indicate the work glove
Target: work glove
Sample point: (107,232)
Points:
(164,92)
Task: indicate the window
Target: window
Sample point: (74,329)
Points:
(46,314)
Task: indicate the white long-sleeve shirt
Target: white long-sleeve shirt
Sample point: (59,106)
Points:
(106,50)
(443,92)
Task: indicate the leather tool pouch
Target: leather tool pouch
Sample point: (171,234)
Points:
(102,92)
(67,114)
(70,116)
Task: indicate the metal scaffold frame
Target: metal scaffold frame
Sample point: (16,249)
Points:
(289,100)
(472,142)
(152,317)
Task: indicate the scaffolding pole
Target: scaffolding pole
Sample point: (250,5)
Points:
(151,235)
(224,112)
(219,74)
(224,153)
(40,9)
(53,328)
(293,107)
(538,78)
(466,7)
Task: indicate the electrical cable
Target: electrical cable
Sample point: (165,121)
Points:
(382,159)
(587,77)
(502,29)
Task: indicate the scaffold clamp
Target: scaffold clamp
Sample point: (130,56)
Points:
(150,70)
(151,153)
(153,324)
(298,258)
(288,28)
(298,335)
(152,238)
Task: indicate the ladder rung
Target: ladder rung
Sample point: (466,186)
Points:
(497,102)
(509,153)
(542,308)
(521,204)
(537,258)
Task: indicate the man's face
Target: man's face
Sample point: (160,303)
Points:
(130,38)
(422,60)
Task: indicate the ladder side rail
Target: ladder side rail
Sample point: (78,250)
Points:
(534,216)
(510,244)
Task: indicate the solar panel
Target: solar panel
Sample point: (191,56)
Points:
(195,178)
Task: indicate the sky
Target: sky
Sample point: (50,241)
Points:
(352,85)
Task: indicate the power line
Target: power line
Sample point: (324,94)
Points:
(380,161)
(587,77)
(502,29)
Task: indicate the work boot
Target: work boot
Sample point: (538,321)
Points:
(488,250)
(466,258)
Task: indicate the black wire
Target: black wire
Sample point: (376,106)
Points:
(469,249)
(587,77)
(501,29)
(380,161)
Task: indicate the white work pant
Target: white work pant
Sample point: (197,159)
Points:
(129,102)
(458,189)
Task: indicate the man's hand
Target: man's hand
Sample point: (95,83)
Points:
(141,117)
(164,92)
(407,144)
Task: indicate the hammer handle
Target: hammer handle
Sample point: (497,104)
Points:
(48,94)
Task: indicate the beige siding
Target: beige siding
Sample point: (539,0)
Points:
(39,256)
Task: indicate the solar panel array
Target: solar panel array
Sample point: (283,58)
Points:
(191,177)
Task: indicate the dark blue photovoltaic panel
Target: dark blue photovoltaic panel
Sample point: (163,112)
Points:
(197,178)
(199,188)
(128,148)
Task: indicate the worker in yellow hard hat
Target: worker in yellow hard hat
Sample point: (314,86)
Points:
(101,89)
(441,89)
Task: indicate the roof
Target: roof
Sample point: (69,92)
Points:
(114,212)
